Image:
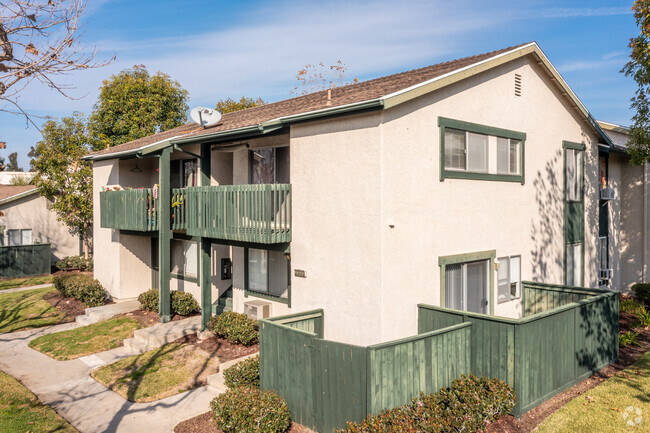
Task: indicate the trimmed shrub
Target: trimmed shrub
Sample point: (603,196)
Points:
(81,287)
(149,300)
(183,303)
(237,328)
(75,263)
(250,410)
(467,405)
(642,291)
(244,373)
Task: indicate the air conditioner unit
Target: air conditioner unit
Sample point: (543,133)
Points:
(257,309)
(607,193)
(606,274)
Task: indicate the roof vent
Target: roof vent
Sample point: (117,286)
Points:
(517,85)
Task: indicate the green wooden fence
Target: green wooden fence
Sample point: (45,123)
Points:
(246,213)
(544,353)
(327,383)
(25,260)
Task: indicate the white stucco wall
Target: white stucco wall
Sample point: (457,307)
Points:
(34,212)
(354,175)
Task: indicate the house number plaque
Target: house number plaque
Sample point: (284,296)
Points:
(300,273)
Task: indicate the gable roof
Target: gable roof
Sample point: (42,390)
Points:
(379,93)
(9,193)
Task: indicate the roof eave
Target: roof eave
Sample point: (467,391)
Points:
(18,196)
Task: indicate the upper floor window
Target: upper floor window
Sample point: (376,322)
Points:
(472,151)
(574,175)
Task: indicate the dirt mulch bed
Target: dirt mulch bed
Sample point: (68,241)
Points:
(627,356)
(219,347)
(69,306)
(204,424)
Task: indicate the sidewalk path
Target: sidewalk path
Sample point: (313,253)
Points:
(22,289)
(89,406)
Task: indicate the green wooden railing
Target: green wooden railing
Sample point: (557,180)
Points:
(179,200)
(130,209)
(246,213)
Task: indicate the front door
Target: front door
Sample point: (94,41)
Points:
(466,286)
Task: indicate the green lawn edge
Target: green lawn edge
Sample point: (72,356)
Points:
(27,309)
(619,404)
(86,340)
(21,411)
(15,283)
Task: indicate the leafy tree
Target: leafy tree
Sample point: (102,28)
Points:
(13,162)
(33,155)
(39,40)
(230,105)
(638,67)
(62,177)
(2,163)
(314,78)
(134,104)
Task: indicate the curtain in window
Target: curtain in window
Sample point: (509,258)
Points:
(14,237)
(503,155)
(503,276)
(455,149)
(477,153)
(263,166)
(515,149)
(515,276)
(26,237)
(454,286)
(257,270)
(191,258)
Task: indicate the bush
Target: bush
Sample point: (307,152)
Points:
(149,300)
(237,328)
(467,405)
(244,373)
(630,306)
(250,410)
(642,291)
(81,287)
(75,263)
(182,303)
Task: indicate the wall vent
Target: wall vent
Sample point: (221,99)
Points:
(517,85)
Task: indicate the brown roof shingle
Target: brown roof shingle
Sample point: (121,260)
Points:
(7,191)
(353,93)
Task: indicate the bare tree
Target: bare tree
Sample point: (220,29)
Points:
(39,40)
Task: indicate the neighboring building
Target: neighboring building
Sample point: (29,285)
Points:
(26,218)
(625,188)
(7,176)
(447,185)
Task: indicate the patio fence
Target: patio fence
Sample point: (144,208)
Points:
(25,260)
(566,334)
(327,383)
(544,353)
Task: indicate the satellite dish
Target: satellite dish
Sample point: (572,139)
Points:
(205,116)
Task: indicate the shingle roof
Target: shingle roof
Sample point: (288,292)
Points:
(353,93)
(7,191)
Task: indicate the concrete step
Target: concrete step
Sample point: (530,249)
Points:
(97,314)
(161,334)
(216,381)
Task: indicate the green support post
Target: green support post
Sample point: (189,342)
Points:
(206,246)
(164,235)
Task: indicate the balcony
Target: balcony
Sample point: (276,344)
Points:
(244,213)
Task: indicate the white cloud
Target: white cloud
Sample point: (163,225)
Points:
(579,12)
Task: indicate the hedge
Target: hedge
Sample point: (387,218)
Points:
(81,287)
(237,328)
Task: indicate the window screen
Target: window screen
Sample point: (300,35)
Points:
(453,286)
(455,149)
(477,152)
(503,275)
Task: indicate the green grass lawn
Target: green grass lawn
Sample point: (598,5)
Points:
(159,373)
(14,283)
(28,309)
(86,340)
(21,411)
(620,404)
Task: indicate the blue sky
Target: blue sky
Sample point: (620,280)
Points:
(219,49)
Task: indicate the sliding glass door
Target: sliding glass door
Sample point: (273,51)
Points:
(467,286)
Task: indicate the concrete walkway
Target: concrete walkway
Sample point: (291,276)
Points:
(89,406)
(22,289)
